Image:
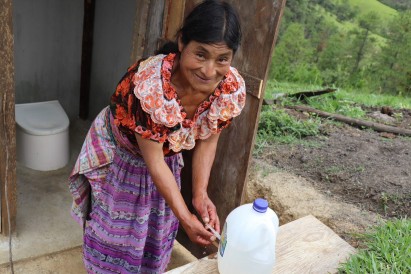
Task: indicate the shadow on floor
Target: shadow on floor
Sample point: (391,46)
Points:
(47,239)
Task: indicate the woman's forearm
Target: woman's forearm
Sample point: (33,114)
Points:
(166,184)
(203,158)
(163,178)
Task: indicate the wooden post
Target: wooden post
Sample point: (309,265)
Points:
(173,18)
(148,28)
(7,121)
(260,23)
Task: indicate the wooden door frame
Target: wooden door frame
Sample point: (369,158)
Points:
(7,121)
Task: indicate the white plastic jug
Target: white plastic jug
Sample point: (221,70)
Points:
(248,239)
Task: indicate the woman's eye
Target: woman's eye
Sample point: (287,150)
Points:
(200,55)
(223,60)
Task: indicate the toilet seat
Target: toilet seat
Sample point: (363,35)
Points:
(42,118)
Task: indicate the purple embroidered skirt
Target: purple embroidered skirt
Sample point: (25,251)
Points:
(130,228)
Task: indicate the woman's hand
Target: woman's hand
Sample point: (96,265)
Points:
(196,231)
(165,182)
(207,210)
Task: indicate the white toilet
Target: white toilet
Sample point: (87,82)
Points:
(42,135)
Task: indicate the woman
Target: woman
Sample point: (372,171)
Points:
(130,163)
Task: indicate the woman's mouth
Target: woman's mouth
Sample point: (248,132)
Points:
(203,79)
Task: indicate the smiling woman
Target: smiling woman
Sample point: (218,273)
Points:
(198,69)
(126,181)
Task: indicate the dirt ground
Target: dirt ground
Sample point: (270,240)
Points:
(347,177)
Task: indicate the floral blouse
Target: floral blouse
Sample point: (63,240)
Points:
(146,103)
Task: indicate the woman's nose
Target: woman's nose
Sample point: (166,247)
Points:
(208,69)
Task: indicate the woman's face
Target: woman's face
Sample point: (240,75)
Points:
(203,66)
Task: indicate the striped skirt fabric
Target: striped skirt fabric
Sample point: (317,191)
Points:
(130,229)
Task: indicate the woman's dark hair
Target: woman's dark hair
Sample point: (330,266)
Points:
(210,22)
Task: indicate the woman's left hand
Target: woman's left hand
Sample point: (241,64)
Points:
(207,210)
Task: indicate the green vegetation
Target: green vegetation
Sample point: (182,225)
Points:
(361,47)
(397,4)
(338,99)
(387,250)
(384,12)
(276,125)
(351,44)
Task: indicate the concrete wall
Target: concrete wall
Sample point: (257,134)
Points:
(47,51)
(47,46)
(112,44)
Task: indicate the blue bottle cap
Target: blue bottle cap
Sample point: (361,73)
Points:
(260,205)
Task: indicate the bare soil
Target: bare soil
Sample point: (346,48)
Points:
(347,177)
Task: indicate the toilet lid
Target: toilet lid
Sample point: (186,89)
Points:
(43,118)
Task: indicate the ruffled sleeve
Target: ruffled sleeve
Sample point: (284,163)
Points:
(146,103)
(129,113)
(228,105)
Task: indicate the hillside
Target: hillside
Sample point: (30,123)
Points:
(384,12)
(354,44)
(400,5)
(352,25)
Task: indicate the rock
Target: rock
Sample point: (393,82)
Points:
(388,135)
(377,115)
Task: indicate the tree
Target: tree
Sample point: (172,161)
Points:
(368,24)
(291,52)
(335,60)
(394,65)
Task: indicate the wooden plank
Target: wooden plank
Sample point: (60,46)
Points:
(154,26)
(148,28)
(174,16)
(228,176)
(303,246)
(140,29)
(7,121)
(86,57)
(309,246)
(254,86)
(260,23)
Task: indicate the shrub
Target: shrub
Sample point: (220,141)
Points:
(277,125)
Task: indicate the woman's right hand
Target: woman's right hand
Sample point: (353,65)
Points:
(196,231)
(164,180)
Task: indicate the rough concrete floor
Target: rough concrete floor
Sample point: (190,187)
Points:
(70,262)
(43,221)
(47,240)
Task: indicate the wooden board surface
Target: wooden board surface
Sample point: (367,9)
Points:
(303,246)
(7,122)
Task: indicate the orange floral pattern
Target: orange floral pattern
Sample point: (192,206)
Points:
(145,102)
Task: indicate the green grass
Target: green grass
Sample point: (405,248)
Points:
(341,100)
(276,126)
(387,250)
(365,6)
